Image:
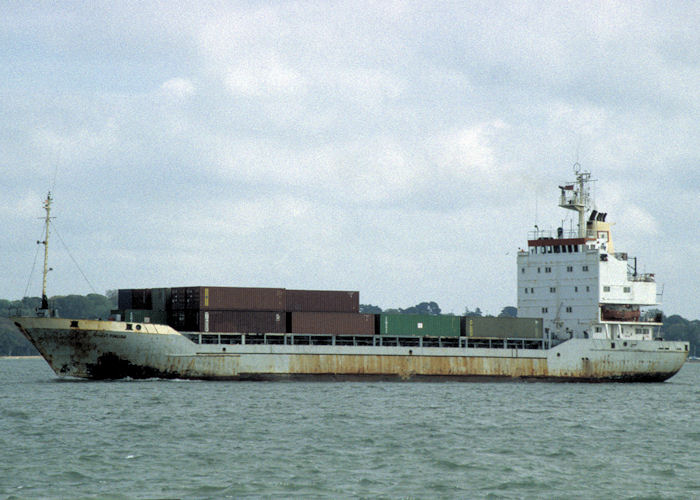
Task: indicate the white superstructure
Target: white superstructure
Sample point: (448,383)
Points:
(578,283)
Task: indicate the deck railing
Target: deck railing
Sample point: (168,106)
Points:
(364,340)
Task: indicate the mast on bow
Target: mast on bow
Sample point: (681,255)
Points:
(44,309)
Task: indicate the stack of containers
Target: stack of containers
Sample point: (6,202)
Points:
(144,305)
(228,309)
(316,312)
(326,312)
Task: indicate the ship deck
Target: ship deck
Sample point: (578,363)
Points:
(365,340)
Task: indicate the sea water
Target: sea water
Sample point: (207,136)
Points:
(195,439)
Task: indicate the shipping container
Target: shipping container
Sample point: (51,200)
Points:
(330,323)
(160,298)
(124,299)
(183,320)
(178,298)
(242,321)
(228,298)
(242,299)
(322,301)
(144,316)
(422,325)
(141,298)
(192,297)
(518,328)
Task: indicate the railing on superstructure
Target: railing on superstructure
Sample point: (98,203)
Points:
(552,234)
(632,274)
(364,340)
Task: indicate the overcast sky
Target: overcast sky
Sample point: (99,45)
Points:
(402,149)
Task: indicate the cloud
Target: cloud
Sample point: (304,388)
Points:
(178,87)
(263,76)
(385,146)
(468,153)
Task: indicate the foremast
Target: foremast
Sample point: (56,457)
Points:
(44,309)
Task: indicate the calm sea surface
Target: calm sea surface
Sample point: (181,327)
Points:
(175,439)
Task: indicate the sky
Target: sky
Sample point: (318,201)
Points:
(403,149)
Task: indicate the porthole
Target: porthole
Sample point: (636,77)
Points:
(138,327)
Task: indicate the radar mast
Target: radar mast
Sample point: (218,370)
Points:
(576,196)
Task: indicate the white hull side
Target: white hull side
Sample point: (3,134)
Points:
(107,350)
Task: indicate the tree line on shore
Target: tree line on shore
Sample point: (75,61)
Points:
(96,306)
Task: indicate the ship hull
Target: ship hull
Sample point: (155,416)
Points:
(114,350)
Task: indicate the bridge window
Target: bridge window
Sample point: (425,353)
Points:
(606,288)
(569,269)
(552,289)
(544,310)
(627,289)
(585,268)
(569,309)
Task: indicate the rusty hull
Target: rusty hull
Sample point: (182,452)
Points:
(111,350)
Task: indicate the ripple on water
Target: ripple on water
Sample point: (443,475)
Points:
(169,439)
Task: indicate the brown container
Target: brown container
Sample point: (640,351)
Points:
(228,298)
(242,299)
(322,301)
(330,323)
(242,321)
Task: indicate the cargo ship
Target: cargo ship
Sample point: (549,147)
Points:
(583,316)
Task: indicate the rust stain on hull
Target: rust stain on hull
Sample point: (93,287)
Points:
(407,367)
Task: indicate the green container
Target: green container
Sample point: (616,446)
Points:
(144,316)
(501,328)
(419,325)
